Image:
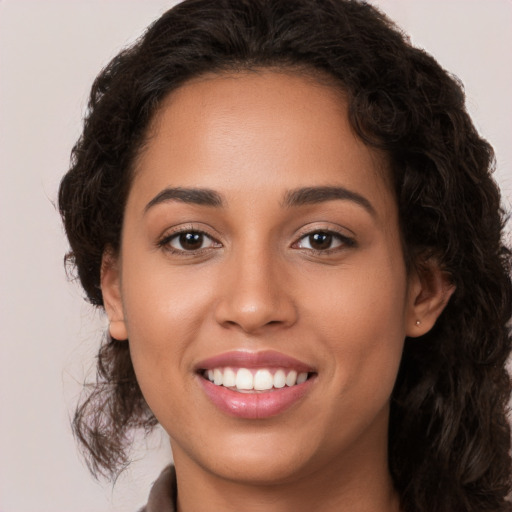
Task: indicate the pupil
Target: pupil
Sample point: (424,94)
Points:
(320,240)
(191,241)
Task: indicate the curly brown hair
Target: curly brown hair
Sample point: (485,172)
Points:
(449,436)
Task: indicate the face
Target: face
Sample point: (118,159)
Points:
(261,249)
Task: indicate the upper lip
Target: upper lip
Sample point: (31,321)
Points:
(247,359)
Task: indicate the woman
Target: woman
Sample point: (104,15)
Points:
(290,221)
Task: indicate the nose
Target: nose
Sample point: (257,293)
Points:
(255,294)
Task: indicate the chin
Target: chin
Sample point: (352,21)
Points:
(253,469)
(260,457)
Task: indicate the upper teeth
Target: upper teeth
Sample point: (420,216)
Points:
(259,380)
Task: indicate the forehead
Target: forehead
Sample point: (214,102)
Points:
(254,129)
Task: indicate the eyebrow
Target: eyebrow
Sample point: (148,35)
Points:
(200,196)
(315,195)
(297,197)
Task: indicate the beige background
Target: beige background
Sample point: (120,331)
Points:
(50,51)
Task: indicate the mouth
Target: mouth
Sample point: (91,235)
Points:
(255,385)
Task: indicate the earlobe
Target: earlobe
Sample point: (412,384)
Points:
(111,291)
(430,289)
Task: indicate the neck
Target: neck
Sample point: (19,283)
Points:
(357,482)
(308,494)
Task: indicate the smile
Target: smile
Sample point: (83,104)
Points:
(255,385)
(247,380)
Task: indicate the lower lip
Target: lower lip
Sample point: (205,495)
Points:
(258,405)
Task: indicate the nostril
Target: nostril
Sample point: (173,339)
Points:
(251,312)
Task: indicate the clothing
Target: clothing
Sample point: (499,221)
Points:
(162,497)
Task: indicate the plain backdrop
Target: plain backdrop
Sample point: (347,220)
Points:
(50,51)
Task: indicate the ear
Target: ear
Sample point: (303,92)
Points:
(111,291)
(430,289)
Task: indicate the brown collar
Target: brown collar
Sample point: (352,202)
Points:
(162,497)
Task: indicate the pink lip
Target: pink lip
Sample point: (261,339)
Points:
(258,405)
(244,359)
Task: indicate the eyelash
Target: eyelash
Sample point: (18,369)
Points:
(343,242)
(167,240)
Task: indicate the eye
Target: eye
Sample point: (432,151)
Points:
(323,241)
(189,241)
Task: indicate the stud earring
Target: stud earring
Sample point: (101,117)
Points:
(418,322)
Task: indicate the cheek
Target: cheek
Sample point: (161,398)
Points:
(164,311)
(360,316)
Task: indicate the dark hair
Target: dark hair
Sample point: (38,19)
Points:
(449,436)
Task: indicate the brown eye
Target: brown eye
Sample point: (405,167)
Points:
(324,241)
(320,241)
(189,241)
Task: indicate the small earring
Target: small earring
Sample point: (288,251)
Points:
(418,322)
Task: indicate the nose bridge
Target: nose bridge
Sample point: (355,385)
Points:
(254,293)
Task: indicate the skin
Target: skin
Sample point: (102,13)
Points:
(256,284)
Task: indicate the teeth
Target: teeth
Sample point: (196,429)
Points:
(279,379)
(302,377)
(217,377)
(229,379)
(261,380)
(244,379)
(291,378)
